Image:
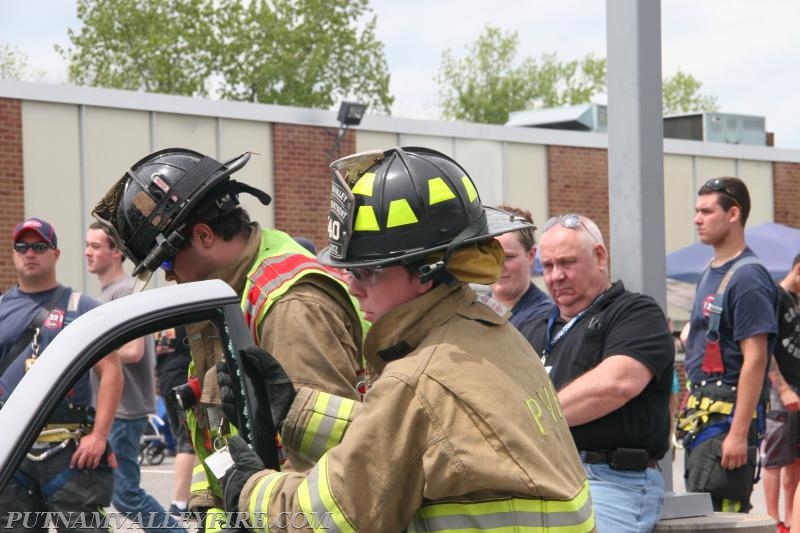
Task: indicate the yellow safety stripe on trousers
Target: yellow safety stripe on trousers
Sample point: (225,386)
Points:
(258,506)
(329,419)
(317,501)
(510,515)
(730,506)
(199,479)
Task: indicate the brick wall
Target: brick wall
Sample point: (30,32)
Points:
(579,183)
(12,198)
(302,178)
(786,190)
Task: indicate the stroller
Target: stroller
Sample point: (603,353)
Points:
(153,444)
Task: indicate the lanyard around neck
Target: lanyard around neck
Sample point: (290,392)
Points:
(551,320)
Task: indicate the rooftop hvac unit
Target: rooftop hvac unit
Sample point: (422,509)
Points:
(585,117)
(717,127)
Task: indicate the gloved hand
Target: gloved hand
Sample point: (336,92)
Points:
(277,383)
(246,463)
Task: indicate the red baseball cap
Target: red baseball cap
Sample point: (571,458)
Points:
(44,229)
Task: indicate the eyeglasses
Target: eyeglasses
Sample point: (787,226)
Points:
(38,247)
(570,221)
(366,274)
(718,185)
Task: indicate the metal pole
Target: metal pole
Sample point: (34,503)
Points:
(636,174)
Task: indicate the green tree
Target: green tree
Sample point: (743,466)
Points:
(308,53)
(14,65)
(294,52)
(490,82)
(681,95)
(152,45)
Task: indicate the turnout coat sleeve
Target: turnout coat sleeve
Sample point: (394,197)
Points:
(389,440)
(311,333)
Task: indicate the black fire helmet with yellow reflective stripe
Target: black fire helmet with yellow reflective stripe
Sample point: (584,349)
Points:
(146,210)
(401,204)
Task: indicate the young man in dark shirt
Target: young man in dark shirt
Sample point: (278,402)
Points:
(610,356)
(727,367)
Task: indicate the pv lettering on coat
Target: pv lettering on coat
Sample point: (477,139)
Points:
(544,401)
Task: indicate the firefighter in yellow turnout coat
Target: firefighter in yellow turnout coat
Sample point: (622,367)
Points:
(462,429)
(178,209)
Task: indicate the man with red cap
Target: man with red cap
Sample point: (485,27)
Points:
(72,477)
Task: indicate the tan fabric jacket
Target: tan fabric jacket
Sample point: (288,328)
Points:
(463,411)
(313,331)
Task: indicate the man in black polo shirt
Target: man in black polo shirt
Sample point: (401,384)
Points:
(610,355)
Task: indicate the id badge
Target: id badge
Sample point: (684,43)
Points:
(220,462)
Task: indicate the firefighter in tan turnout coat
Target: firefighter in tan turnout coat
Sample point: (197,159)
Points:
(462,428)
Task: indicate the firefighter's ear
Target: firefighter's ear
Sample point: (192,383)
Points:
(202,235)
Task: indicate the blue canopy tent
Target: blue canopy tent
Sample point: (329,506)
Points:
(775,244)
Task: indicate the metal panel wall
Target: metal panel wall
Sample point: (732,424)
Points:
(237,136)
(185,131)
(757,175)
(53,192)
(525,178)
(679,192)
(374,140)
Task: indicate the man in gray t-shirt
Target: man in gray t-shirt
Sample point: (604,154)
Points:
(104,259)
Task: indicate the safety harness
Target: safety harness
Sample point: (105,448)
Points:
(711,403)
(56,436)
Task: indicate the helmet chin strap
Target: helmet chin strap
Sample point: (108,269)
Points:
(433,270)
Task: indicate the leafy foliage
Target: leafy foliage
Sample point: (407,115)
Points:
(681,95)
(14,65)
(488,83)
(307,53)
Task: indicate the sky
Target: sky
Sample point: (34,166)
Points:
(745,52)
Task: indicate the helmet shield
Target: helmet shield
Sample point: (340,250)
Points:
(403,203)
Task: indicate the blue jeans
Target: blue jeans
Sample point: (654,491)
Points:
(129,498)
(625,502)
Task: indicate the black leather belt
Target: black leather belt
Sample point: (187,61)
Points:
(594,458)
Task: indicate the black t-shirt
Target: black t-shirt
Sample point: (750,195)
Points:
(620,323)
(172,366)
(787,349)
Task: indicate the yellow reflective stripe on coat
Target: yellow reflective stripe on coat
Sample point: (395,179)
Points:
(317,501)
(280,264)
(258,506)
(326,426)
(215,520)
(510,515)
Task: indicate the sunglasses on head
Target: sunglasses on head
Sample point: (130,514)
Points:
(569,221)
(38,247)
(718,185)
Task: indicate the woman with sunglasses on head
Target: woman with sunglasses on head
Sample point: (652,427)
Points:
(514,289)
